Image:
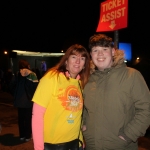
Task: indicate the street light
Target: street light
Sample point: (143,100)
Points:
(5,52)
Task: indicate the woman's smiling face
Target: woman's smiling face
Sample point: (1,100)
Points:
(75,64)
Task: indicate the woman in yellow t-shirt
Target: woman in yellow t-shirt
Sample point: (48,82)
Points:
(58,102)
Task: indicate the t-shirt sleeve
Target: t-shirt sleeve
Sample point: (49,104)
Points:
(44,91)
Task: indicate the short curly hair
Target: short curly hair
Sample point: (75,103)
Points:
(100,40)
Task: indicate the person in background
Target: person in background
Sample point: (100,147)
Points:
(1,78)
(58,102)
(116,100)
(22,88)
(43,67)
(7,77)
(0,128)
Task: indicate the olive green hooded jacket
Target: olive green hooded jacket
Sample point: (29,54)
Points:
(117,102)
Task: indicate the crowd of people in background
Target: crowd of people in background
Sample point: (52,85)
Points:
(114,98)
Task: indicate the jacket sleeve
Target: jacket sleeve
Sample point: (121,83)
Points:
(85,113)
(141,99)
(38,126)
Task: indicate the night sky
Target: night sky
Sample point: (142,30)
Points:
(55,25)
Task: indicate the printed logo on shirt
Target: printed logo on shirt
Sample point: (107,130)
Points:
(71,99)
(70,118)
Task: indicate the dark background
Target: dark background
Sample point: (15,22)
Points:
(55,25)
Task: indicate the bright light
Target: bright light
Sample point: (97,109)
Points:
(42,54)
(5,52)
(62,51)
(137,60)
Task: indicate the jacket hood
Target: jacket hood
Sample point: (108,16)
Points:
(118,60)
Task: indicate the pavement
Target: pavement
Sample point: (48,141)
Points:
(9,136)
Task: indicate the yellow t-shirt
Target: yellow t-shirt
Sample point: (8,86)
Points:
(63,101)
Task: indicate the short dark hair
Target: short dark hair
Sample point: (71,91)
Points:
(100,40)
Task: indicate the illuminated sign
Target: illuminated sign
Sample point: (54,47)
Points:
(126,47)
(113,15)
